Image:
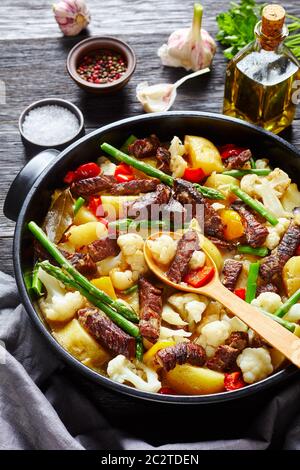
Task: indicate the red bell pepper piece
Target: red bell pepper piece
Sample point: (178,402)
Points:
(199,277)
(230,150)
(241,293)
(194,175)
(95,206)
(233,381)
(123,169)
(167,391)
(87,170)
(123,178)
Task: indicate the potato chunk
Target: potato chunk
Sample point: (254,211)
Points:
(191,380)
(203,154)
(81,345)
(81,235)
(291,275)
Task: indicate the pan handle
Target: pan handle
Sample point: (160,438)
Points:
(24,181)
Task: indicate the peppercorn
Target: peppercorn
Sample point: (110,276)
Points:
(103,67)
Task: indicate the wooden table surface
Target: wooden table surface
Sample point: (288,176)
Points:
(32,65)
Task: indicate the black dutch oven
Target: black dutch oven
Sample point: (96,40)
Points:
(29,199)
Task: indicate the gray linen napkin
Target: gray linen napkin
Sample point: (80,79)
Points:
(45,405)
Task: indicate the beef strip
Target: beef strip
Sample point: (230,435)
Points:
(224,359)
(107,333)
(238,340)
(163,157)
(223,244)
(134,187)
(143,148)
(101,249)
(186,193)
(150,298)
(257,342)
(181,353)
(238,161)
(83,262)
(269,287)
(155,200)
(255,232)
(92,186)
(231,271)
(188,243)
(272,265)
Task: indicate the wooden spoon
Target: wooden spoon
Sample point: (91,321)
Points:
(273,333)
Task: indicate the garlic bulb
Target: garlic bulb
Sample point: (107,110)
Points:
(192,48)
(72,16)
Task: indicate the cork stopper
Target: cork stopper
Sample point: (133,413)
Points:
(273,17)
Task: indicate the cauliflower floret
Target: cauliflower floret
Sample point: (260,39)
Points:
(255,364)
(262,164)
(194,310)
(269,301)
(163,249)
(177,163)
(121,280)
(293,314)
(235,324)
(136,373)
(174,335)
(108,264)
(107,167)
(268,188)
(276,232)
(170,316)
(217,206)
(59,305)
(212,335)
(132,245)
(197,260)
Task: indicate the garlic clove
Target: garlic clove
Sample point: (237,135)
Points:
(72,16)
(156,98)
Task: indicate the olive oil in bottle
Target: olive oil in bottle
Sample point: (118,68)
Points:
(260,78)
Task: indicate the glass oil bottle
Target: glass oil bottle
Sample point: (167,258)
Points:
(259,79)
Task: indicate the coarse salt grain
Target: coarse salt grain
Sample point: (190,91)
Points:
(50,125)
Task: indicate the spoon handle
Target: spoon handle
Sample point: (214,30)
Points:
(276,335)
(191,75)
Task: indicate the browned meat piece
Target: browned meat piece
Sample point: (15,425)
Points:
(101,249)
(181,353)
(255,232)
(231,271)
(163,157)
(142,148)
(82,262)
(271,267)
(150,298)
(224,359)
(188,243)
(223,244)
(134,187)
(149,204)
(109,335)
(238,161)
(269,287)
(92,186)
(238,340)
(257,342)
(186,193)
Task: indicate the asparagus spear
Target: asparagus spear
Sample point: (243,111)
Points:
(154,172)
(252,282)
(36,285)
(253,171)
(78,204)
(262,251)
(83,281)
(255,205)
(132,138)
(286,324)
(131,290)
(122,322)
(288,304)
